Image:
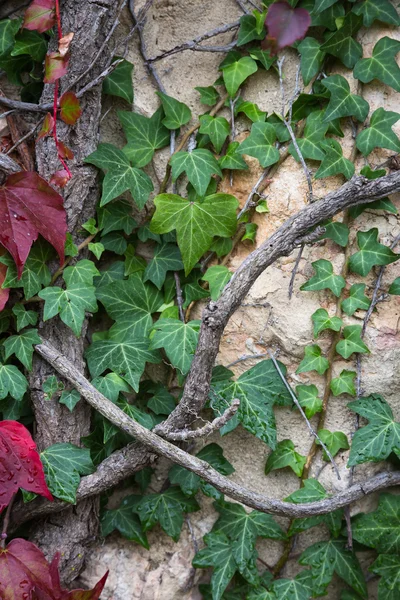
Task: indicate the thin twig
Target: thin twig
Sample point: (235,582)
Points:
(25,137)
(179,297)
(245,358)
(294,272)
(208,428)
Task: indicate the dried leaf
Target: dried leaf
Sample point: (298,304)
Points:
(64,43)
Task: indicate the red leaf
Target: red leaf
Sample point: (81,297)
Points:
(55,67)
(4,293)
(60,178)
(64,151)
(70,108)
(40,15)
(64,43)
(28,207)
(285,25)
(20,465)
(60,594)
(47,127)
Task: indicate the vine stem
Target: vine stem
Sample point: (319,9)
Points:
(6,523)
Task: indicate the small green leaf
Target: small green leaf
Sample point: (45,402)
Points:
(115,242)
(352,342)
(30,42)
(166,258)
(250,109)
(71,304)
(395,287)
(90,226)
(161,402)
(116,216)
(380,529)
(311,58)
(263,56)
(233,158)
(250,232)
(313,360)
(12,382)
(342,102)
(133,262)
(322,321)
(344,384)
(217,128)
(260,144)
(357,299)
(198,165)
(35,274)
(63,464)
(371,253)
(324,278)
(334,162)
(285,456)
(237,72)
(388,567)
(176,113)
(178,339)
(51,386)
(338,232)
(119,82)
(70,248)
(22,346)
(111,385)
(8,31)
(97,249)
(312,491)
(82,272)
(289,589)
(70,398)
(334,441)
(342,43)
(308,399)
(310,144)
(125,520)
(217,278)
(377,10)
(219,555)
(379,134)
(208,95)
(382,65)
(143,478)
(145,135)
(249,30)
(24,317)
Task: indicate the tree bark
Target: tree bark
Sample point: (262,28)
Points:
(70,532)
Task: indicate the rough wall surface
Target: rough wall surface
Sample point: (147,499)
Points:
(266,320)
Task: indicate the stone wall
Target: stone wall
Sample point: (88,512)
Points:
(267,319)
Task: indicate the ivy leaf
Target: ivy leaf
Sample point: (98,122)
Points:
(196,223)
(344,384)
(334,441)
(116,216)
(260,144)
(198,165)
(326,558)
(218,554)
(8,30)
(28,42)
(192,290)
(342,102)
(63,464)
(124,520)
(217,128)
(24,317)
(308,399)
(289,589)
(161,402)
(342,43)
(382,65)
(120,175)
(40,15)
(395,287)
(311,58)
(379,134)
(115,242)
(22,346)
(285,456)
(334,162)
(233,158)
(208,95)
(119,82)
(263,56)
(322,321)
(29,207)
(313,360)
(371,253)
(380,437)
(178,339)
(356,300)
(258,389)
(55,67)
(380,529)
(166,258)
(388,567)
(97,249)
(70,110)
(51,386)
(314,134)
(127,358)
(110,386)
(286,25)
(328,16)
(12,382)
(338,232)
(250,109)
(71,304)
(237,72)
(324,278)
(19,450)
(145,135)
(352,342)
(176,113)
(166,508)
(377,10)
(312,491)
(248,30)
(70,399)
(83,272)
(217,278)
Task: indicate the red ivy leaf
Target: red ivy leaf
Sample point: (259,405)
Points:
(64,151)
(55,67)
(20,465)
(60,594)
(60,178)
(28,207)
(40,15)
(4,293)
(70,108)
(285,25)
(47,127)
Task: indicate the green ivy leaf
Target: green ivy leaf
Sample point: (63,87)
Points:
(285,456)
(125,520)
(377,10)
(219,555)
(70,399)
(119,82)
(322,321)
(70,248)
(217,128)
(143,478)
(313,360)
(30,42)
(145,135)
(133,262)
(338,232)
(334,441)
(344,384)
(258,389)
(352,342)
(371,253)
(312,491)
(110,386)
(12,382)
(342,43)
(115,242)
(310,144)
(115,272)
(342,102)
(388,567)
(63,464)
(217,278)
(379,134)
(24,317)
(208,95)
(120,175)
(395,287)
(22,346)
(97,249)
(382,65)
(334,162)
(384,204)
(192,291)
(380,529)
(249,30)
(324,278)
(311,58)
(8,30)
(166,258)
(263,56)
(161,402)
(51,386)
(178,339)
(237,72)
(166,508)
(356,300)
(329,17)
(35,274)
(250,109)
(289,589)
(116,216)
(176,113)
(199,165)
(233,158)
(308,399)
(327,558)
(260,144)
(127,358)
(71,304)
(380,437)
(83,272)
(196,223)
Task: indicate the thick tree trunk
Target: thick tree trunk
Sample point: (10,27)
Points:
(71,531)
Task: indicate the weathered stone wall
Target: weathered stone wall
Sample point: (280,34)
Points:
(267,319)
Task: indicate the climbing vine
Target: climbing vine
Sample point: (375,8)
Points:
(153,251)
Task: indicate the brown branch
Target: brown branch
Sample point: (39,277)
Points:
(179,296)
(8,165)
(215,425)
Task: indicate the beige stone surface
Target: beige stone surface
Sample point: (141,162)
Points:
(266,320)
